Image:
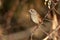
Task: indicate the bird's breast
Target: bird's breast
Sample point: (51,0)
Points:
(35,19)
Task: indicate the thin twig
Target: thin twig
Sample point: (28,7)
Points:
(58,27)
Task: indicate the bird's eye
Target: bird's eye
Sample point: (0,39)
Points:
(32,11)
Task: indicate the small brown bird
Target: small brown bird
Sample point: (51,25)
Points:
(36,18)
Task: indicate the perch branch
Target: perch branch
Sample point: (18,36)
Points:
(58,27)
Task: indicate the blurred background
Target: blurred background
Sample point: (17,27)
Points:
(15,20)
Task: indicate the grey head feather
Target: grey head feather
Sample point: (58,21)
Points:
(32,11)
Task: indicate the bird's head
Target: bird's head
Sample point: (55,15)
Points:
(32,11)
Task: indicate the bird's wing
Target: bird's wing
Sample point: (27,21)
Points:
(39,18)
